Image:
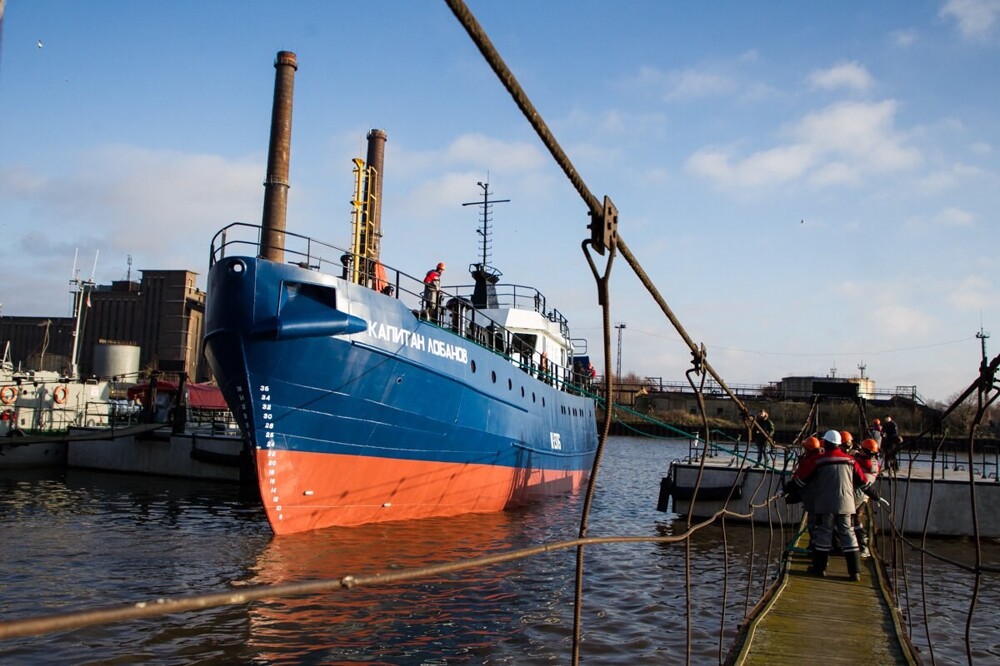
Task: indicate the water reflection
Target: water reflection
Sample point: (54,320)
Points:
(462,614)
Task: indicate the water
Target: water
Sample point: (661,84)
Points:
(75,540)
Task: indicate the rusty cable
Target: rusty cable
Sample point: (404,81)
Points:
(698,368)
(602,289)
(509,81)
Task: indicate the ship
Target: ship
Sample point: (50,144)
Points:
(38,407)
(367,395)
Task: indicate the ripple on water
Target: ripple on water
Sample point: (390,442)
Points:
(80,540)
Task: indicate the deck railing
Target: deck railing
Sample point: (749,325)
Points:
(450,309)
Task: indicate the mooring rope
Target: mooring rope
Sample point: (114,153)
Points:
(182,603)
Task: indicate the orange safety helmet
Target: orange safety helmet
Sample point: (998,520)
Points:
(876,422)
(440,266)
(870,445)
(846,438)
(811,444)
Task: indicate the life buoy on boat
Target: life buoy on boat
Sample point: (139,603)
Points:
(59,395)
(8,394)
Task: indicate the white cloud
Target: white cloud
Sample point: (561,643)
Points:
(690,84)
(937,181)
(903,38)
(974,293)
(862,131)
(142,199)
(981,148)
(835,173)
(470,152)
(954,217)
(161,207)
(767,167)
(839,144)
(614,122)
(477,149)
(686,84)
(19,182)
(945,179)
(899,321)
(849,75)
(427,200)
(975,18)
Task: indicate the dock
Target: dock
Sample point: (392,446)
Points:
(52,449)
(831,620)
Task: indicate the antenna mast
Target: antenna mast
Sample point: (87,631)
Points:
(81,296)
(982,335)
(486,211)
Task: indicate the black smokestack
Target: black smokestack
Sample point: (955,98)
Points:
(272,242)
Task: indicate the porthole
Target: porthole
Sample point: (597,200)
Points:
(472,364)
(493,376)
(510,384)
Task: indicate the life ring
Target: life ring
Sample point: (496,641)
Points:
(8,394)
(59,395)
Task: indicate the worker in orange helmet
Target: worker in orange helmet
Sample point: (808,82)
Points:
(432,290)
(832,477)
(875,431)
(866,457)
(813,447)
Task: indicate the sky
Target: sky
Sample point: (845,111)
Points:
(812,187)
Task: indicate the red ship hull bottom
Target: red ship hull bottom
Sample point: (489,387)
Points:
(306,491)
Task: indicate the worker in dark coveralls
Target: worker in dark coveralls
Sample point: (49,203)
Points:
(830,479)
(891,442)
(763,436)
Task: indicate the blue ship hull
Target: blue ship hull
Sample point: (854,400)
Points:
(361,411)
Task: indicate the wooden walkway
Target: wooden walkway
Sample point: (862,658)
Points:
(830,620)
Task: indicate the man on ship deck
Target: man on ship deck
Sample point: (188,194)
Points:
(762,437)
(432,291)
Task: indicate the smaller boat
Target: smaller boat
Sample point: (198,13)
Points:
(151,435)
(37,409)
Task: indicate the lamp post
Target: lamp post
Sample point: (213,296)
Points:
(618,372)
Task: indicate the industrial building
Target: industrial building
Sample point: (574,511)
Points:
(156,323)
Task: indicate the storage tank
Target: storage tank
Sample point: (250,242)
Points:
(116,360)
